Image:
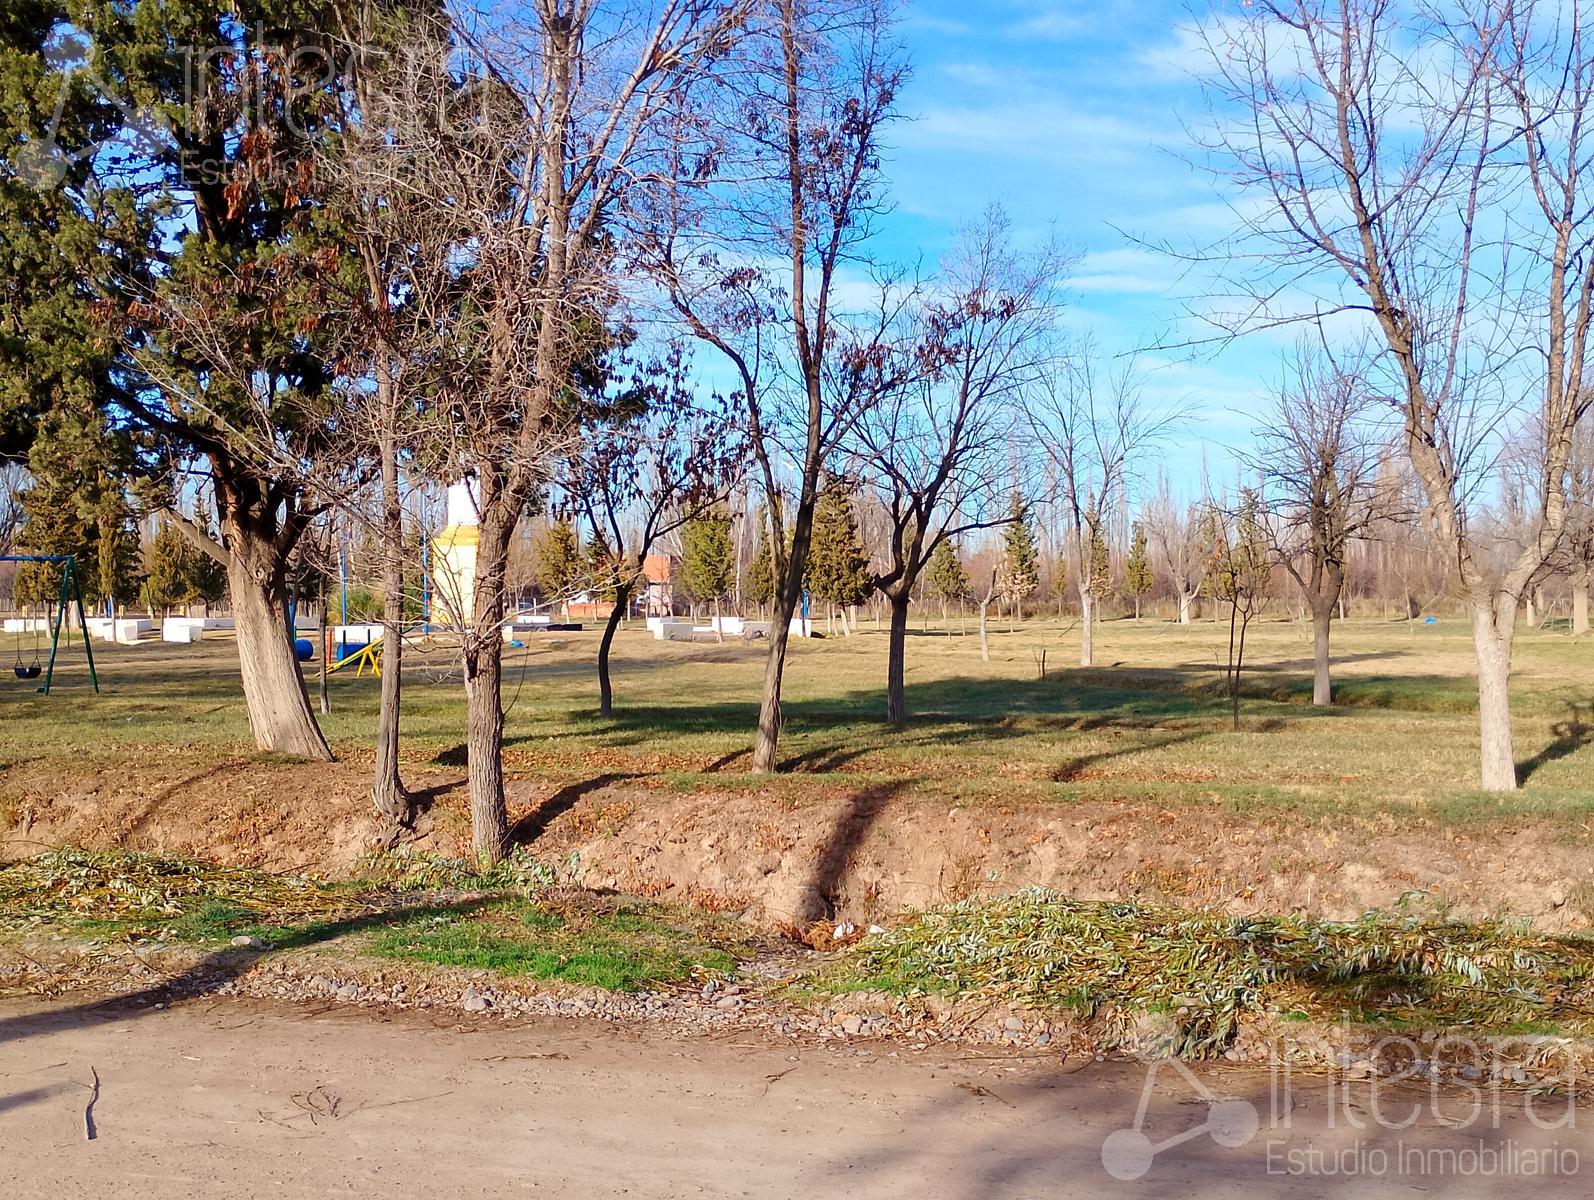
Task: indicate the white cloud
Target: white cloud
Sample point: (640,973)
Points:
(1126,271)
(1046,128)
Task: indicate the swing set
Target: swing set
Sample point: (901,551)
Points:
(71,593)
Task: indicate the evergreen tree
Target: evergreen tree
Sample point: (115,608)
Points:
(177,572)
(1138,576)
(77,504)
(708,562)
(207,578)
(838,569)
(1019,574)
(759,587)
(561,567)
(603,569)
(1097,569)
(166,571)
(207,336)
(947,578)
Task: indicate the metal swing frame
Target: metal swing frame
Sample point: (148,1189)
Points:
(71,593)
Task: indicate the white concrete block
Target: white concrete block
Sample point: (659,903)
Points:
(128,630)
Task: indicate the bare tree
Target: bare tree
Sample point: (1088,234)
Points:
(396,62)
(932,450)
(1577,546)
(654,461)
(1430,173)
(523,173)
(1176,530)
(989,593)
(1318,463)
(13,479)
(1092,427)
(1238,569)
(802,124)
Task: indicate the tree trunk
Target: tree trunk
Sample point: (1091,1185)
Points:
(766,745)
(1137,606)
(1493,646)
(387,789)
(484,701)
(1184,606)
(1322,687)
(1579,599)
(985,641)
(274,690)
(1087,606)
(896,697)
(622,597)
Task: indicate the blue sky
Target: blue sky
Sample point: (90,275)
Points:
(1072,115)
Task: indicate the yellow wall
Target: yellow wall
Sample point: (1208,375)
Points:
(453,574)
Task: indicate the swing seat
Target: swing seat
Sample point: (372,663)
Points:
(23,672)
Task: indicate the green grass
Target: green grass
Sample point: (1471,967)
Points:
(552,934)
(622,951)
(1110,963)
(1207,972)
(1147,725)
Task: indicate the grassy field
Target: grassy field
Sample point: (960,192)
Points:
(1148,723)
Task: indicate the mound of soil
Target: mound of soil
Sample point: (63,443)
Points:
(279,816)
(853,853)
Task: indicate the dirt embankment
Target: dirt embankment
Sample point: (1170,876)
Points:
(856,853)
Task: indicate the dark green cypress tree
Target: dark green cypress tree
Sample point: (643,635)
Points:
(561,568)
(760,584)
(838,569)
(192,270)
(947,578)
(1138,576)
(708,563)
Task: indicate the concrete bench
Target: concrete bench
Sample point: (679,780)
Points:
(127,631)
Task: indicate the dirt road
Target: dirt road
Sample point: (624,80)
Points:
(229,1098)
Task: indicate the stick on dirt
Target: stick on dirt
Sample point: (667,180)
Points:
(90,1132)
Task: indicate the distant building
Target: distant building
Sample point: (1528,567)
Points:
(658,590)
